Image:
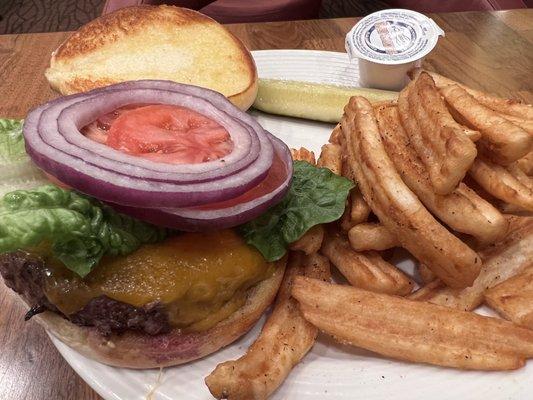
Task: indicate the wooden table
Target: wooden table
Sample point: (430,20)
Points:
(490,51)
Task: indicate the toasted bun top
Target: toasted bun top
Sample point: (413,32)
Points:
(155,42)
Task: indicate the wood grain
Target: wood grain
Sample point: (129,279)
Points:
(491,51)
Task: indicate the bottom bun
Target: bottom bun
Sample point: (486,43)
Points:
(136,350)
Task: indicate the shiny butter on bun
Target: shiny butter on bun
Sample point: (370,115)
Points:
(155,42)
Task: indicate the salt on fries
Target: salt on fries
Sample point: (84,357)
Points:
(365,270)
(442,145)
(414,331)
(397,207)
(284,340)
(429,99)
(517,172)
(463,209)
(513,299)
(500,262)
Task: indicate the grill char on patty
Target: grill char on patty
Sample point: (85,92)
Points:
(25,274)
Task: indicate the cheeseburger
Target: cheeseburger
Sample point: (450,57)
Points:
(145,223)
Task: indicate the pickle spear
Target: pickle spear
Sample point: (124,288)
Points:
(311,100)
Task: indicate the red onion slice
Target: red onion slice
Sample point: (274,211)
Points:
(56,145)
(199,219)
(78,114)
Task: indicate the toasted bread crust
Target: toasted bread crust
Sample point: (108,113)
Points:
(78,85)
(112,27)
(118,38)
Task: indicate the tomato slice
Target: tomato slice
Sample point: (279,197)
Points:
(56,181)
(98,129)
(162,133)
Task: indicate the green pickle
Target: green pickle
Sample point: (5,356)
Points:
(311,100)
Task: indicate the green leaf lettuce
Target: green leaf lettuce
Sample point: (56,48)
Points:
(17,171)
(316,196)
(11,140)
(80,229)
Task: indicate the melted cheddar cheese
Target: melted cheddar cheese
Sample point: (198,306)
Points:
(200,278)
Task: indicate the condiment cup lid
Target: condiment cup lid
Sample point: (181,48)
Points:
(394,36)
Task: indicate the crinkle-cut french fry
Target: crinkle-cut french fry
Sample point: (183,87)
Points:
(512,209)
(525,124)
(426,274)
(344,222)
(513,298)
(311,241)
(413,331)
(284,340)
(317,266)
(430,292)
(471,134)
(371,236)
(501,141)
(302,154)
(336,135)
(519,174)
(397,207)
(359,209)
(365,270)
(346,170)
(463,210)
(331,158)
(526,164)
(500,262)
(505,106)
(509,184)
(442,145)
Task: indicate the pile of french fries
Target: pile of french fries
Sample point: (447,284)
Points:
(445,172)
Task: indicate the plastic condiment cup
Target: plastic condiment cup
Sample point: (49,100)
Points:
(388,43)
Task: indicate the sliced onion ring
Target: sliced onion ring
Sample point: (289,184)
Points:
(54,141)
(201,218)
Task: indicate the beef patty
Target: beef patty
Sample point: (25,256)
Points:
(26,275)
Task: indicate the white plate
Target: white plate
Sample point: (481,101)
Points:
(330,371)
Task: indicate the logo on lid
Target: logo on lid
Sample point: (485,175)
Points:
(393,37)
(390,37)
